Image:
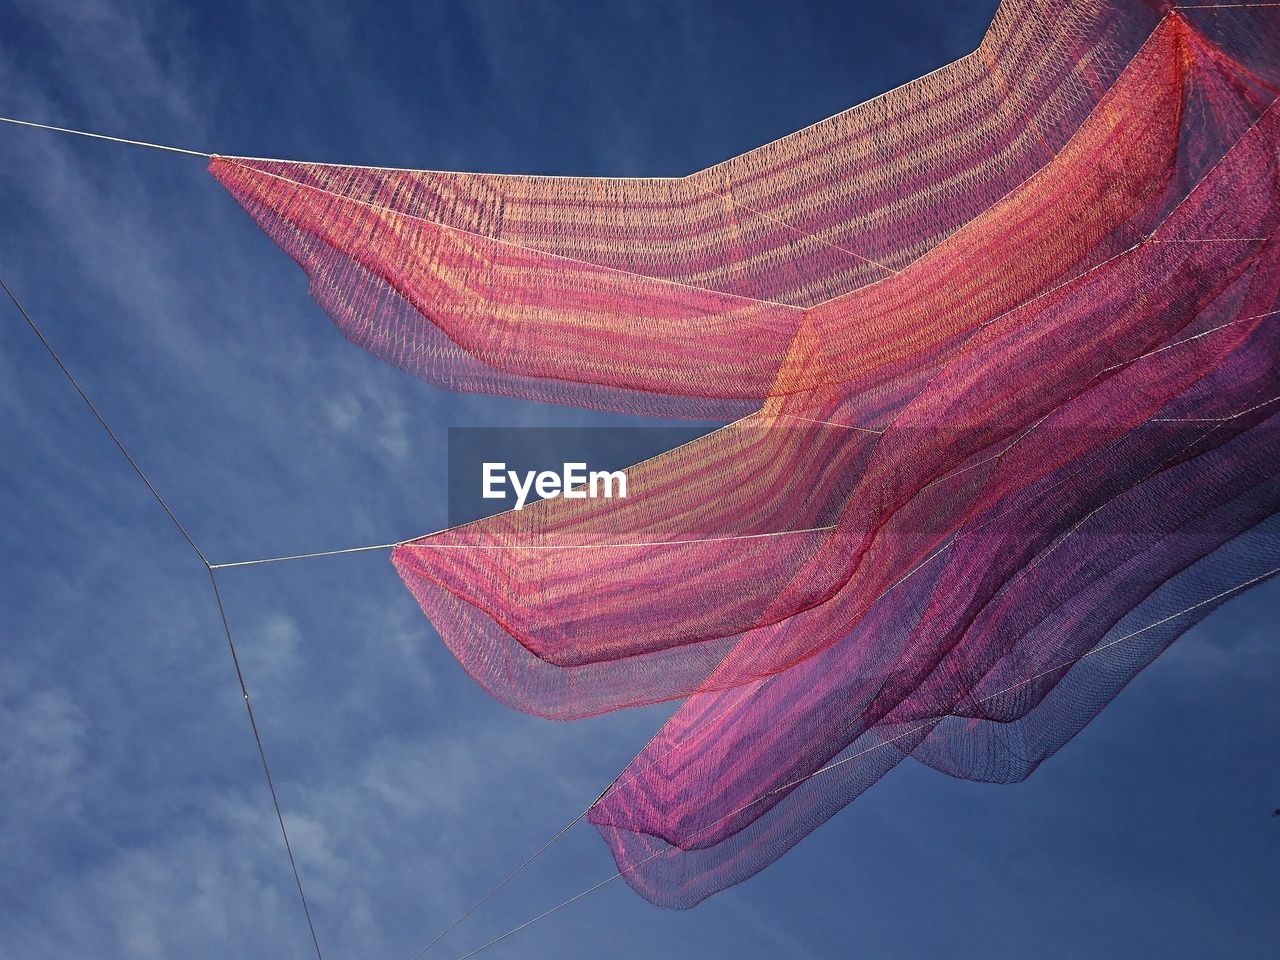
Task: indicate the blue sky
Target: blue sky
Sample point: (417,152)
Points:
(134,821)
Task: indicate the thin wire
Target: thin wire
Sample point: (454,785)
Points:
(640,543)
(542,916)
(517,546)
(458,546)
(379,208)
(209,156)
(103,136)
(262,755)
(715,166)
(516,872)
(217,596)
(507,879)
(212,567)
(861,753)
(574,822)
(530,176)
(1226,419)
(740,422)
(920,566)
(923,563)
(772,533)
(102,422)
(620,776)
(702,171)
(832,423)
(308,556)
(803,233)
(470,910)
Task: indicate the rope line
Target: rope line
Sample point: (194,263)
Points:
(742,422)
(212,567)
(388,211)
(103,136)
(772,533)
(528,860)
(941,550)
(308,556)
(1222,6)
(622,775)
(791,226)
(505,880)
(101,420)
(217,596)
(208,156)
(513,546)
(871,749)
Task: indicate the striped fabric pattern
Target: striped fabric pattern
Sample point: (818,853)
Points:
(1000,348)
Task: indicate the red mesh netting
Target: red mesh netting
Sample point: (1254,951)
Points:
(1002,343)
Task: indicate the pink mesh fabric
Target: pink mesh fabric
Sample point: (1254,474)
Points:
(1002,346)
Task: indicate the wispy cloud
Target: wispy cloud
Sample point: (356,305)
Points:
(134,822)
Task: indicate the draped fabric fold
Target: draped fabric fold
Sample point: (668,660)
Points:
(1002,351)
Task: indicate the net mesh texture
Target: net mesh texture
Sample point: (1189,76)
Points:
(1000,352)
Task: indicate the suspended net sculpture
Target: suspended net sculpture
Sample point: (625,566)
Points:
(1001,350)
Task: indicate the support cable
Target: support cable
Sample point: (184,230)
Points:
(222,613)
